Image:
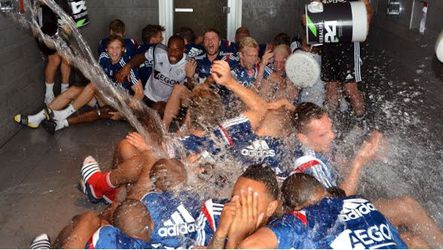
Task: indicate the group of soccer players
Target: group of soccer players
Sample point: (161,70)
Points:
(227,103)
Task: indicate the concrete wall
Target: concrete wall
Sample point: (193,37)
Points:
(266,18)
(21,64)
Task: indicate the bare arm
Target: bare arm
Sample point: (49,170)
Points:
(264,238)
(138,91)
(133,63)
(257,107)
(365,154)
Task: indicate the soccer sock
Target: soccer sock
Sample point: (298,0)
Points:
(64,87)
(37,118)
(49,89)
(65,113)
(61,124)
(100,182)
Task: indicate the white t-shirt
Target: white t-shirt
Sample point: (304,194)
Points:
(164,75)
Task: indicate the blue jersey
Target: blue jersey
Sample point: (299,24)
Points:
(174,216)
(337,223)
(317,165)
(248,148)
(208,220)
(245,76)
(111,69)
(145,68)
(110,237)
(193,50)
(131,47)
(204,64)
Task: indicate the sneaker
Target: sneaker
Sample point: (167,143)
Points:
(89,169)
(23,120)
(41,242)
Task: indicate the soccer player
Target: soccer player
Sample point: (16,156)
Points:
(117,27)
(254,199)
(111,61)
(321,219)
(168,66)
(341,71)
(272,69)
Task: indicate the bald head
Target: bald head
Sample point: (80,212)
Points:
(176,47)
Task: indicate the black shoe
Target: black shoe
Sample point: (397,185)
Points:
(49,126)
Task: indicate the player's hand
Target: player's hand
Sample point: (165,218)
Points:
(247,219)
(369,149)
(123,74)
(190,68)
(222,73)
(266,58)
(227,217)
(136,140)
(115,115)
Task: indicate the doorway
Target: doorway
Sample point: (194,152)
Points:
(230,11)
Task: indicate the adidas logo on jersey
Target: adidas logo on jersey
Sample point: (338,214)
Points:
(181,223)
(377,236)
(355,208)
(194,52)
(259,150)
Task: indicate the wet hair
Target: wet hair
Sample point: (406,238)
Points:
(167,173)
(281,38)
(187,34)
(206,109)
(247,42)
(112,38)
(132,218)
(117,26)
(298,189)
(282,48)
(304,113)
(176,38)
(212,30)
(151,30)
(265,175)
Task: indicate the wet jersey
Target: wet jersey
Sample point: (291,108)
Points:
(248,148)
(208,220)
(245,76)
(131,47)
(111,69)
(204,64)
(164,76)
(110,237)
(193,50)
(339,223)
(145,69)
(174,216)
(317,165)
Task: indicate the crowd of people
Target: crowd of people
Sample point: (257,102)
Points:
(229,100)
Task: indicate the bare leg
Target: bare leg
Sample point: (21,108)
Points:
(90,116)
(85,96)
(179,94)
(124,151)
(65,98)
(159,107)
(356,97)
(51,67)
(332,97)
(129,170)
(407,212)
(65,69)
(77,234)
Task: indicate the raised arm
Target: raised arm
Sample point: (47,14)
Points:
(133,63)
(257,107)
(365,154)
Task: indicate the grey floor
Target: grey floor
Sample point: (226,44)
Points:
(403,84)
(39,176)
